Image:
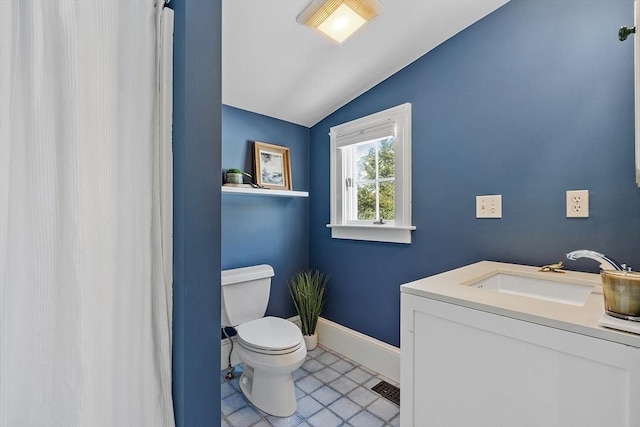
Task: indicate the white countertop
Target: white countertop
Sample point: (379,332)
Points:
(450,287)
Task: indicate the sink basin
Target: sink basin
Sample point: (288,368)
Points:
(549,290)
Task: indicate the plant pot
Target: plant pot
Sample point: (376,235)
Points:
(311,341)
(233,178)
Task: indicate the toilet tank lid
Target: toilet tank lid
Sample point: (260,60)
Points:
(245,274)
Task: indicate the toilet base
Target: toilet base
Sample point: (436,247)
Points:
(273,394)
(269,385)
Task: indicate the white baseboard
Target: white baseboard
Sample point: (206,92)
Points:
(225,348)
(362,349)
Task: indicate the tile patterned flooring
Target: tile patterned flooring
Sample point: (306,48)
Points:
(331,391)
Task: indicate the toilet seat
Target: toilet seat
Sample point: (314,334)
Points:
(270,335)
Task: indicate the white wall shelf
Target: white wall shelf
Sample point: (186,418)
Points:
(264,192)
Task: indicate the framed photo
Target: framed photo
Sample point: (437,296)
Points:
(272,166)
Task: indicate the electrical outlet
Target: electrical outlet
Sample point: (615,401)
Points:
(489,206)
(578,204)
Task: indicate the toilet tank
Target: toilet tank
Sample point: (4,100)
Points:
(245,293)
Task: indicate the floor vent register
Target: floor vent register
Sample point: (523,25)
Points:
(388,391)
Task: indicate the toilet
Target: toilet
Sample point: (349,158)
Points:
(270,348)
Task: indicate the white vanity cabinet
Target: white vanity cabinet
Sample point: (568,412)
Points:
(464,366)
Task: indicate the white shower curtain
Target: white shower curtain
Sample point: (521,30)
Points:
(85,214)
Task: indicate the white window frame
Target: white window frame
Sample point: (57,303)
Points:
(374,126)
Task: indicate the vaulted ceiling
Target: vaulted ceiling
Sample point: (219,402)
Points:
(274,66)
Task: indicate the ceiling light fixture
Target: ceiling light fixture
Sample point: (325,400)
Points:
(338,19)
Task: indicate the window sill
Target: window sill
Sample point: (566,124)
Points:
(372,232)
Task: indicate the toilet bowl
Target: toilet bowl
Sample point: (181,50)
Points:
(270,348)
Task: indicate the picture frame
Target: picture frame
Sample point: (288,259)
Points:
(272,166)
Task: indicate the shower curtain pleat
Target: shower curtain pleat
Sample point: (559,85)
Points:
(85,267)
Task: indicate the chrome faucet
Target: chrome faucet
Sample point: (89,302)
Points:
(606,263)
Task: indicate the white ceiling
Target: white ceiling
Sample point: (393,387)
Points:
(274,66)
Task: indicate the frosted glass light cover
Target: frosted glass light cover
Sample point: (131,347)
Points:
(343,22)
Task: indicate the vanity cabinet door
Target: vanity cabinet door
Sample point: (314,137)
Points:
(466,367)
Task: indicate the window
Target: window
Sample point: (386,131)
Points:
(371,177)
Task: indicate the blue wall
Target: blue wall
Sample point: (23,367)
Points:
(196,149)
(533,100)
(270,230)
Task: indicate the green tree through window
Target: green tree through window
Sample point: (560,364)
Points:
(375,181)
